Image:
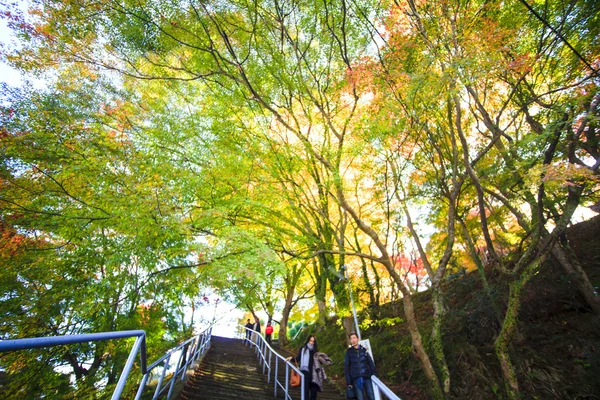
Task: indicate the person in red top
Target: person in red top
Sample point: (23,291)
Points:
(268,332)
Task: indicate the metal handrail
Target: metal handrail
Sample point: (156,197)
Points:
(380,387)
(263,349)
(37,343)
(265,355)
(199,345)
(191,349)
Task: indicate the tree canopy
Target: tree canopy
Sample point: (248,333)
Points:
(265,149)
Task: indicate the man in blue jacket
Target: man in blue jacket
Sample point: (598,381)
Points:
(359,368)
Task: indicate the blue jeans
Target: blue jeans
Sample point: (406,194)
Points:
(362,387)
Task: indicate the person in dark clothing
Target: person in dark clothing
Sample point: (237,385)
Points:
(248,331)
(305,359)
(359,367)
(256,328)
(257,325)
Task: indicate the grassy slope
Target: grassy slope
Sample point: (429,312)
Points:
(557,353)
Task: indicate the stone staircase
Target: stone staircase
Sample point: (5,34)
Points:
(231,370)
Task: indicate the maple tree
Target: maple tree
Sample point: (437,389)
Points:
(471,81)
(264,148)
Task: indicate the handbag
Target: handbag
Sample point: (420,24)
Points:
(295,379)
(350,394)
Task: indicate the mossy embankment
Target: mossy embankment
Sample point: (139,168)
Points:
(556,352)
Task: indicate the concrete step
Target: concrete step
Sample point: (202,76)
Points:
(232,371)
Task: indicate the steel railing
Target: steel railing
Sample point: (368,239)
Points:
(379,388)
(265,353)
(189,352)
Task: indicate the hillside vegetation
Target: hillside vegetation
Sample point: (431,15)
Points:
(556,352)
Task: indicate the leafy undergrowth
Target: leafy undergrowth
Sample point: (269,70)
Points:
(556,351)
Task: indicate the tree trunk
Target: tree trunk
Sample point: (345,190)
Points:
(567,259)
(368,285)
(377,285)
(322,306)
(481,271)
(320,289)
(282,337)
(509,327)
(113,374)
(372,300)
(439,311)
(72,360)
(348,324)
(409,311)
(338,285)
(285,317)
(418,348)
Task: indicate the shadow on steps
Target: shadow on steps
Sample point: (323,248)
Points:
(231,370)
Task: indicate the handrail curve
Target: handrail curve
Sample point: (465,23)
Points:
(192,349)
(265,352)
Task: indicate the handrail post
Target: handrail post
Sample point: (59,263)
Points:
(264,358)
(258,349)
(270,361)
(138,395)
(125,373)
(174,378)
(188,348)
(187,360)
(162,377)
(376,392)
(261,349)
(381,388)
(287,379)
(302,377)
(190,356)
(204,342)
(276,376)
(199,347)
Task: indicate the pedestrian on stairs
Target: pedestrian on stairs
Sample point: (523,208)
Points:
(306,358)
(268,332)
(359,368)
(249,327)
(256,328)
